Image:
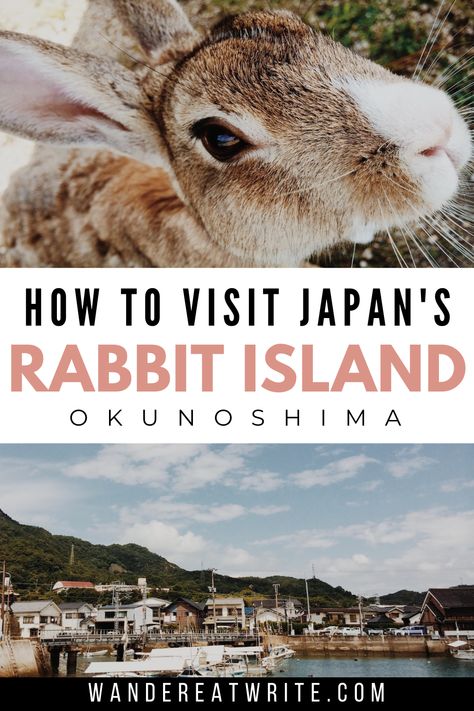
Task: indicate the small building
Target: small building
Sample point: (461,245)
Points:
(185,614)
(225,614)
(290,608)
(157,607)
(394,612)
(411,615)
(140,587)
(266,618)
(77,616)
(123,618)
(64,585)
(448,609)
(381,621)
(340,616)
(34,616)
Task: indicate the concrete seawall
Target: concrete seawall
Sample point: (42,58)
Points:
(311,646)
(22,657)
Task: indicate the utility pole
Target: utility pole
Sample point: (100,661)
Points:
(212,590)
(276,587)
(144,628)
(4,574)
(361,625)
(308,607)
(116,600)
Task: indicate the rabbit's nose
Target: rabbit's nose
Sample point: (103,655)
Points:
(421,120)
(440,151)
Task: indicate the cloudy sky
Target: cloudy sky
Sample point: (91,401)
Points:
(372,518)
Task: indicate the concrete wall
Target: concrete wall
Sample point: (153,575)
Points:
(22,658)
(361,646)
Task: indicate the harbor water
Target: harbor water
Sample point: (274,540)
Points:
(347,667)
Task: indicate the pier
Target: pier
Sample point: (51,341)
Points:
(71,644)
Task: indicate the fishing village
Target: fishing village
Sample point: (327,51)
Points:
(224,635)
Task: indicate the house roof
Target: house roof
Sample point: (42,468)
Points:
(197,605)
(150,602)
(335,609)
(31,605)
(453,597)
(380,618)
(225,601)
(269,602)
(74,605)
(73,584)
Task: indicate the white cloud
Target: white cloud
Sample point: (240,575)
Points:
(135,464)
(261,482)
(454,485)
(417,550)
(164,539)
(334,472)
(300,539)
(208,467)
(180,512)
(180,467)
(408,461)
(38,500)
(188,549)
(369,486)
(268,510)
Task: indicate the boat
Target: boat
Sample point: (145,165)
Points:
(209,661)
(98,653)
(457,651)
(167,666)
(276,656)
(212,661)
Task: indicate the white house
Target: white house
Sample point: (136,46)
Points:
(264,617)
(289,608)
(34,616)
(346,616)
(229,613)
(77,615)
(124,618)
(64,585)
(156,605)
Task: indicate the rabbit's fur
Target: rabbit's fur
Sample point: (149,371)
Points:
(339,146)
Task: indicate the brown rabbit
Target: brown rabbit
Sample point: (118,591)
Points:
(257,144)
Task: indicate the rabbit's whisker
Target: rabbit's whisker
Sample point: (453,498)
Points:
(442,50)
(353,255)
(422,59)
(315,186)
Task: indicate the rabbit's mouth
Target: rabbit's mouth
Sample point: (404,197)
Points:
(430,143)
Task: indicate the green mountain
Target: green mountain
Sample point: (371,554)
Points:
(36,559)
(403,597)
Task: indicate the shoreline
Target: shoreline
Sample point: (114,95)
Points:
(390,646)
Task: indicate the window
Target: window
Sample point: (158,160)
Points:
(69,615)
(28,619)
(109,615)
(353,617)
(43,620)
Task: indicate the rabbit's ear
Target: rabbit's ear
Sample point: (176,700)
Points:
(158,24)
(57,95)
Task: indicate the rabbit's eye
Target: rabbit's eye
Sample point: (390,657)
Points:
(219,140)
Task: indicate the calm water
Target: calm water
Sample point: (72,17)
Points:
(371,667)
(374,667)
